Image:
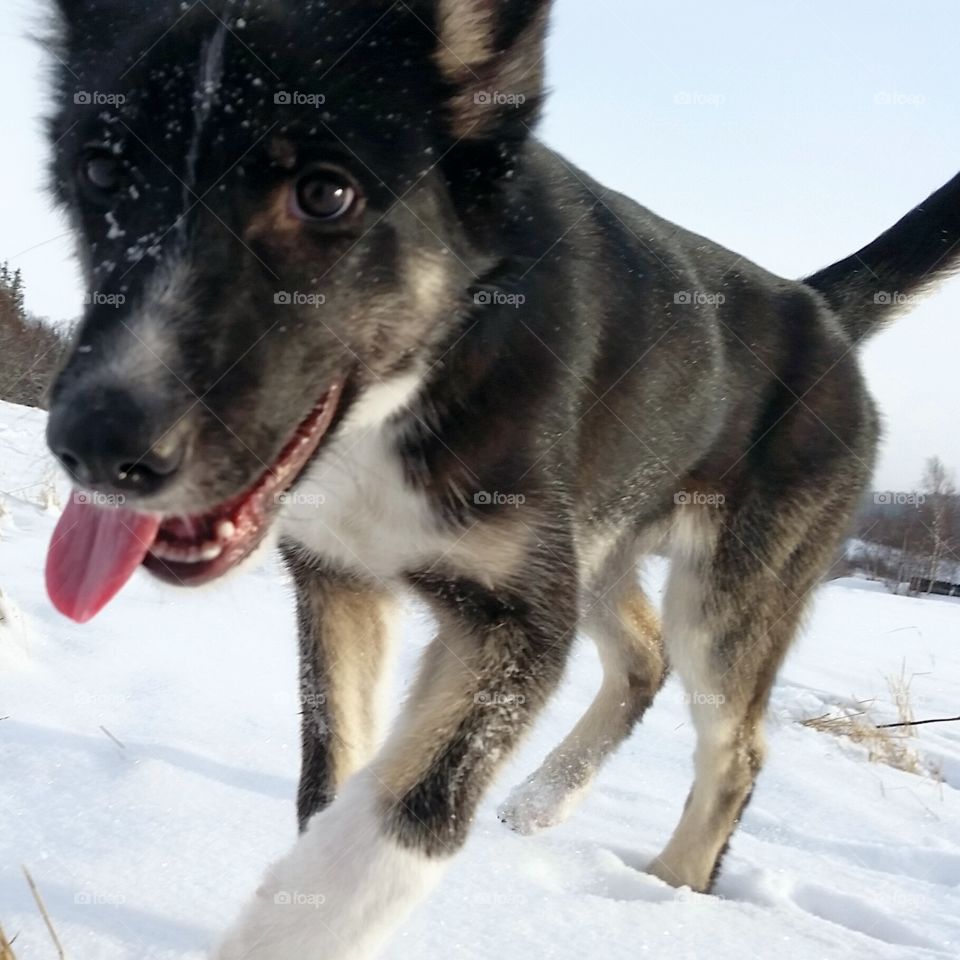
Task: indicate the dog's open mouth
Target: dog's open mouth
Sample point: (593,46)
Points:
(95,550)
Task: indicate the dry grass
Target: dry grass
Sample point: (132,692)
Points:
(47,498)
(6,950)
(6,946)
(895,747)
(41,906)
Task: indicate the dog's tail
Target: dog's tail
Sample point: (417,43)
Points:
(870,287)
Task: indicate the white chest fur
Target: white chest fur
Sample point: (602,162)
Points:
(354,507)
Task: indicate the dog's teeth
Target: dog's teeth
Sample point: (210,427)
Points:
(204,553)
(226,530)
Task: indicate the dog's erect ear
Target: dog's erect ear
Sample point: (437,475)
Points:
(491,53)
(70,10)
(89,17)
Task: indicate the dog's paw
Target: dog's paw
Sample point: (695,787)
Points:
(277,924)
(537,804)
(290,914)
(694,872)
(339,894)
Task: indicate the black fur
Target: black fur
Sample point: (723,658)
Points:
(578,354)
(869,287)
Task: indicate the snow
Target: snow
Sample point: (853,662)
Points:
(115,231)
(148,847)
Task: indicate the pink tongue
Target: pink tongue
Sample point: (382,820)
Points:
(93,553)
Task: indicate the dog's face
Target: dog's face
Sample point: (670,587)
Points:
(273,203)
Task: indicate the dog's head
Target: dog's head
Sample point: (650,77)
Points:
(278,209)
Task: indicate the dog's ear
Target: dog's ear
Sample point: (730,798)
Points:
(70,11)
(89,18)
(491,54)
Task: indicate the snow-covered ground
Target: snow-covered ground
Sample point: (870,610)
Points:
(147,849)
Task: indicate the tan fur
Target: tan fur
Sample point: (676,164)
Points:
(492,553)
(429,284)
(273,220)
(467,58)
(447,685)
(728,756)
(353,640)
(466,33)
(726,639)
(626,628)
(641,618)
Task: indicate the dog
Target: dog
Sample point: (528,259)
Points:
(341,298)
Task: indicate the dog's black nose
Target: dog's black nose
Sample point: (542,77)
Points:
(113,444)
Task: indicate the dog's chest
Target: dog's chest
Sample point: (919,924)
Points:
(355,509)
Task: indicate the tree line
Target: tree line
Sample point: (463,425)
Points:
(911,539)
(30,349)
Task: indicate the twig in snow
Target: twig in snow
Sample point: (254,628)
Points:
(43,912)
(918,723)
(122,746)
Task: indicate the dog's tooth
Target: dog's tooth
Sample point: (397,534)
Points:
(210,551)
(226,530)
(181,554)
(166,552)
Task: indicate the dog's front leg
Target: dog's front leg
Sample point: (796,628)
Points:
(368,859)
(344,631)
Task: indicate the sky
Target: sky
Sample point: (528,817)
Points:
(791,132)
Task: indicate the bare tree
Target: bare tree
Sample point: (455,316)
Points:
(939,488)
(911,537)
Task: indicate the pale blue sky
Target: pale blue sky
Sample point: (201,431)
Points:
(811,127)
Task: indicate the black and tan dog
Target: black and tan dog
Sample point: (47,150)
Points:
(339,291)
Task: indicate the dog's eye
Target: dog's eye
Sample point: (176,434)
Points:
(101,171)
(324,194)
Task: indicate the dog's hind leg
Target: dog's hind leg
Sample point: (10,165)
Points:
(626,629)
(738,587)
(343,627)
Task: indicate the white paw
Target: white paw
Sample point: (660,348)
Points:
(537,804)
(338,895)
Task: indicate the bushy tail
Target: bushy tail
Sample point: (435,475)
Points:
(886,276)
